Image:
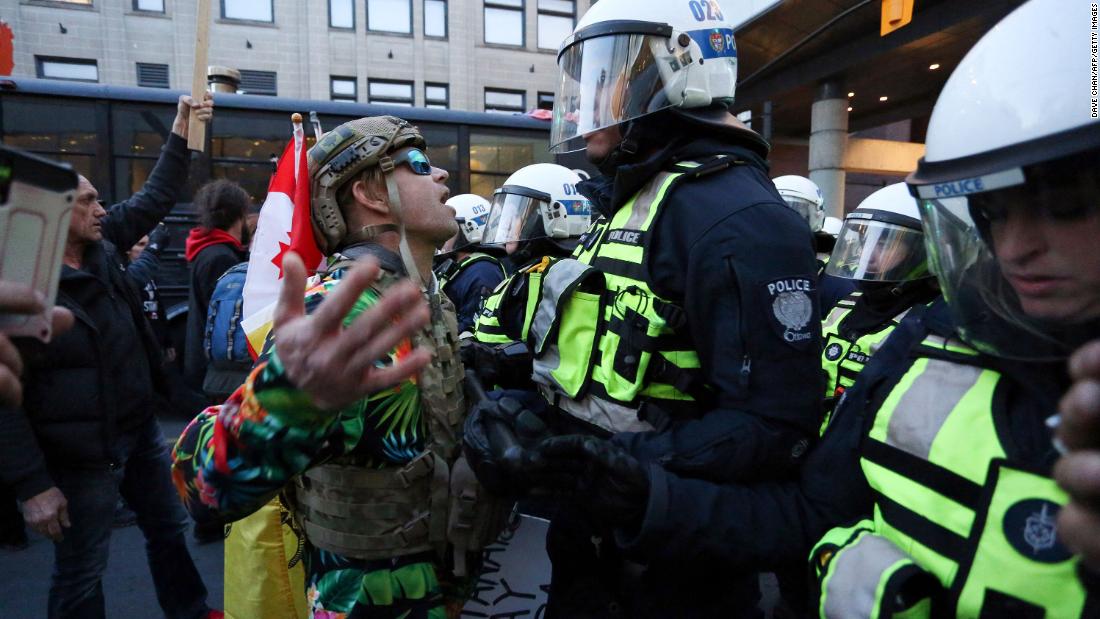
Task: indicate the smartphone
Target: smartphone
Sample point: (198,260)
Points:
(36,202)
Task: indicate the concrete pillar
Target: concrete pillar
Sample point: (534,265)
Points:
(828,143)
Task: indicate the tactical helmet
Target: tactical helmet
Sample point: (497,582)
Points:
(630,58)
(881,241)
(804,196)
(473,210)
(340,156)
(539,201)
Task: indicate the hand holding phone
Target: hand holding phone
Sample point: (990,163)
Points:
(36,202)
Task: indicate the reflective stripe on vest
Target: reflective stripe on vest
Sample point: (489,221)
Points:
(843,359)
(946,495)
(452,273)
(603,341)
(861,577)
(489,327)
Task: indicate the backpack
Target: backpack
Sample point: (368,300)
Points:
(224,342)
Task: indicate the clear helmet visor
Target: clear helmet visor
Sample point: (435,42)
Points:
(608,80)
(514,218)
(989,311)
(809,211)
(876,251)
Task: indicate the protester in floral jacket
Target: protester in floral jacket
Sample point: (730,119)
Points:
(341,391)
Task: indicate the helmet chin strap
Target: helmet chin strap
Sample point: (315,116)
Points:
(386,163)
(624,151)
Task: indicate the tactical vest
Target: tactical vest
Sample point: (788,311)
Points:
(524,287)
(950,507)
(843,358)
(604,343)
(365,513)
(450,269)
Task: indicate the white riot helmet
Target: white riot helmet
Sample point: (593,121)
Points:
(538,201)
(630,58)
(472,211)
(831,226)
(881,241)
(1011,132)
(804,196)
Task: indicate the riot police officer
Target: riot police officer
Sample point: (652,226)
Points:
(931,493)
(685,325)
(467,270)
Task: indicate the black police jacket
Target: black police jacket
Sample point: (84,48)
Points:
(727,249)
(760,526)
(105,375)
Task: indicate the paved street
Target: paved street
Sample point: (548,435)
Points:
(128,587)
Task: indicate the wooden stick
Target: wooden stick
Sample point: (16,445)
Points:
(196,129)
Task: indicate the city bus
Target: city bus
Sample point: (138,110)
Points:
(113,135)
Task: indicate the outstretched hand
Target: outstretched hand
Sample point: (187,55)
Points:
(336,365)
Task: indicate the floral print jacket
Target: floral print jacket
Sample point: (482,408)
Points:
(234,458)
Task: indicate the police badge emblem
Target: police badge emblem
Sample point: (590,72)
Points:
(1031,527)
(717,42)
(792,309)
(833,351)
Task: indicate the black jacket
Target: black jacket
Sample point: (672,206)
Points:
(104,376)
(759,526)
(726,249)
(208,265)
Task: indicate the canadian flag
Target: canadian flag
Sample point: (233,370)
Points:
(284,226)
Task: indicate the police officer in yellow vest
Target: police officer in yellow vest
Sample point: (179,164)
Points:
(536,217)
(880,248)
(466,269)
(931,491)
(685,325)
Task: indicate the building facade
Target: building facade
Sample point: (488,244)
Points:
(472,55)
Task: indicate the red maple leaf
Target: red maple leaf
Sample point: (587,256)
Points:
(278,259)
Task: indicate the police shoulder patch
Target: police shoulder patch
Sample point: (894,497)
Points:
(791,305)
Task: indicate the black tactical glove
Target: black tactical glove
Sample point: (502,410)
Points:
(610,483)
(503,365)
(159,238)
(498,430)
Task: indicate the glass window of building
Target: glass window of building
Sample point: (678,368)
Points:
(74,69)
(154,6)
(437,96)
(389,16)
(343,89)
(556,21)
(390,92)
(546,101)
(341,14)
(504,22)
(494,157)
(501,101)
(253,10)
(84,2)
(435,18)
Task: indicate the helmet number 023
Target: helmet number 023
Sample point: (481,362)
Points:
(706,9)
